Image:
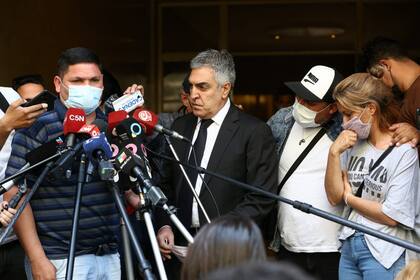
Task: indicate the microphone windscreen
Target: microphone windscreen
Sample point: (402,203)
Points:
(74,120)
(129,129)
(98,143)
(114,118)
(147,118)
(88,130)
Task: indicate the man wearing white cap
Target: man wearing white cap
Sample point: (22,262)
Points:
(303,134)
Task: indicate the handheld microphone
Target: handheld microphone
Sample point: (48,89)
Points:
(128,102)
(98,147)
(150,121)
(89,129)
(114,118)
(63,164)
(129,129)
(74,120)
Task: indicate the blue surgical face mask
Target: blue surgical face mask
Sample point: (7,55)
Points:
(83,97)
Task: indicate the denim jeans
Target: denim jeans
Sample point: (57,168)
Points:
(86,267)
(357,262)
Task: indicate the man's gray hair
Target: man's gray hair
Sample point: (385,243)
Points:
(220,61)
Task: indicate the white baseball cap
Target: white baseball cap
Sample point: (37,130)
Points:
(317,85)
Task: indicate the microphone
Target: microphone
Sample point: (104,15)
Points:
(98,148)
(129,129)
(44,151)
(150,122)
(133,165)
(74,120)
(114,118)
(63,164)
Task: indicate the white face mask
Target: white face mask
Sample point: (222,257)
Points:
(304,116)
(84,97)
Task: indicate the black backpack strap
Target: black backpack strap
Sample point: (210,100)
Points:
(302,156)
(376,164)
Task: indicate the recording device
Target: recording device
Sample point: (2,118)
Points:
(128,102)
(43,97)
(150,121)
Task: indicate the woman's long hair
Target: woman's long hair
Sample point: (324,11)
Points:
(358,90)
(225,242)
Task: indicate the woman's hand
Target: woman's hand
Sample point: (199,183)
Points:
(345,140)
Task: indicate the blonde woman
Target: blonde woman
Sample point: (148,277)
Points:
(389,194)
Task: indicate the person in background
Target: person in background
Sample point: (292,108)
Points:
(227,241)
(384,198)
(260,270)
(15,117)
(385,59)
(28,86)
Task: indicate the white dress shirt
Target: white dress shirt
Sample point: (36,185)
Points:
(212,132)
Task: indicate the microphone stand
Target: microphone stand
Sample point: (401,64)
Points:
(145,212)
(38,181)
(145,266)
(188,181)
(104,169)
(76,214)
(304,207)
(157,198)
(128,261)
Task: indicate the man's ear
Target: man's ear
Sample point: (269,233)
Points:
(226,88)
(333,108)
(384,63)
(57,83)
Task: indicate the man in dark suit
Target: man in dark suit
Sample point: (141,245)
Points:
(227,141)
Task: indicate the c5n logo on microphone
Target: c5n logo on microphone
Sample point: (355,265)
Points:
(77,118)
